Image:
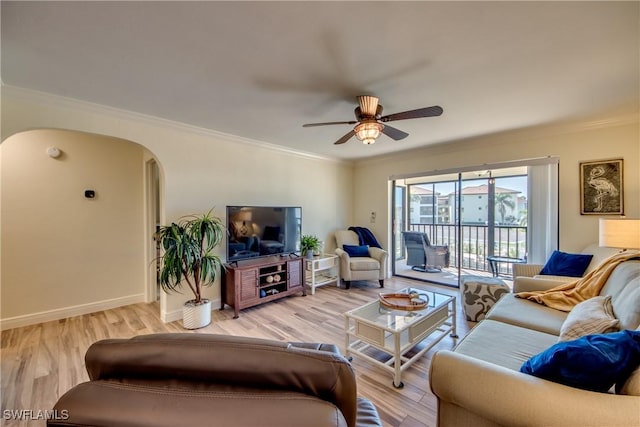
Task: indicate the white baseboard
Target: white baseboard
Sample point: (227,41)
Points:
(62,313)
(173,315)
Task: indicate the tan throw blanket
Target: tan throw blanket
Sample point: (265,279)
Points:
(567,295)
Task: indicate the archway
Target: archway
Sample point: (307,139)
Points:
(75,234)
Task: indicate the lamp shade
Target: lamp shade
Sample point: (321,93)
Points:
(621,233)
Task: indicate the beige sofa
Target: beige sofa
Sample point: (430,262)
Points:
(479,384)
(528,276)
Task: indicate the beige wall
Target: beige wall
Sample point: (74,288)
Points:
(573,144)
(60,249)
(201,169)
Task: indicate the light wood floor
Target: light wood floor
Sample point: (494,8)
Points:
(41,362)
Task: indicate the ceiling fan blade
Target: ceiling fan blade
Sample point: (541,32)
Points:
(436,110)
(345,138)
(393,133)
(308,125)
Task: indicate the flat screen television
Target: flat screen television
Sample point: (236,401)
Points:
(256,231)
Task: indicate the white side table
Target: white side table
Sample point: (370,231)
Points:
(321,270)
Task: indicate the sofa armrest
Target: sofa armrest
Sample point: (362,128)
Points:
(510,398)
(526,270)
(331,348)
(378,254)
(367,415)
(345,267)
(381,256)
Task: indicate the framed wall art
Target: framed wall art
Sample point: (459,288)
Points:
(601,187)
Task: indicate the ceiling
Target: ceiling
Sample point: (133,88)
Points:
(260,70)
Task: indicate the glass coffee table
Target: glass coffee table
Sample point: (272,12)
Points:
(395,332)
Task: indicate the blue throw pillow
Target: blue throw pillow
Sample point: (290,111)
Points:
(564,264)
(356,251)
(592,362)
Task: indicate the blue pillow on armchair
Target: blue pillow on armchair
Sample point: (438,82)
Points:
(564,264)
(592,362)
(356,251)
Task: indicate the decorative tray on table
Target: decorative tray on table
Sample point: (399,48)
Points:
(404,301)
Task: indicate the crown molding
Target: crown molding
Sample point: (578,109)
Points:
(620,120)
(509,136)
(50,99)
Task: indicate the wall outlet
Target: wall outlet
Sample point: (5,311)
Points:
(372,218)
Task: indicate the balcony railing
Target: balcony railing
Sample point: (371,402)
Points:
(509,241)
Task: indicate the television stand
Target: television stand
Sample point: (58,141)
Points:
(256,281)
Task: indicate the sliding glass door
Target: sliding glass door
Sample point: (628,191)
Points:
(477,216)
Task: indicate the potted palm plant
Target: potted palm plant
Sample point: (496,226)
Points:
(309,244)
(189,257)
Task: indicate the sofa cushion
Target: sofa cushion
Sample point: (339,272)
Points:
(626,305)
(356,250)
(364,264)
(600,253)
(624,287)
(502,344)
(113,403)
(632,385)
(346,237)
(527,314)
(620,277)
(565,264)
(593,316)
(561,279)
(592,362)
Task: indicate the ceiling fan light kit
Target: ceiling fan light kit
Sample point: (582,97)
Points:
(368,132)
(369,121)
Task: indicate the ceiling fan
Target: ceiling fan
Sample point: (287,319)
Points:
(369,121)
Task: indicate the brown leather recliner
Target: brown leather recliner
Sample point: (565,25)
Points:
(214,380)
